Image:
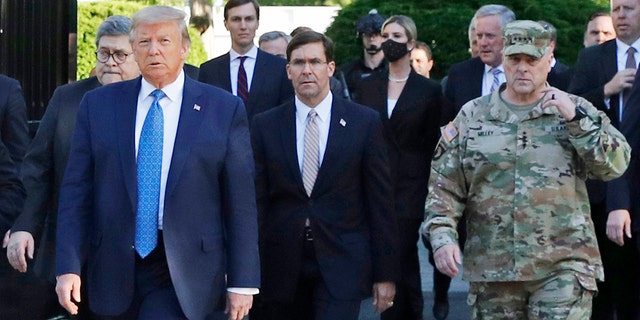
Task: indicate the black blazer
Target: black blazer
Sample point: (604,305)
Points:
(560,76)
(349,208)
(13,119)
(270,86)
(412,133)
(595,67)
(464,81)
(11,192)
(624,192)
(43,168)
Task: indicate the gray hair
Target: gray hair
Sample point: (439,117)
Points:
(273,35)
(505,14)
(160,14)
(113,26)
(472,27)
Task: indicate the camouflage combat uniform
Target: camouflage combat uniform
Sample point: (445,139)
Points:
(520,184)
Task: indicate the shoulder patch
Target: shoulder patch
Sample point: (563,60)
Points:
(449,132)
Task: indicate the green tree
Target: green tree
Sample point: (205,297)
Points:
(91,14)
(443,25)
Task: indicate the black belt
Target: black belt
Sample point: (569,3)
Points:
(308,235)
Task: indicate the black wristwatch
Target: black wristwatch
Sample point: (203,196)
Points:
(580,113)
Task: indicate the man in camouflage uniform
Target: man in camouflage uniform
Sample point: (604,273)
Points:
(514,162)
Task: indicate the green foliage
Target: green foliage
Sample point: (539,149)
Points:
(305,2)
(91,14)
(443,25)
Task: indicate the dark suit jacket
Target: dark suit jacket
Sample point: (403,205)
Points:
(560,76)
(270,86)
(13,119)
(43,168)
(350,209)
(624,192)
(412,134)
(464,81)
(192,71)
(210,217)
(11,192)
(597,65)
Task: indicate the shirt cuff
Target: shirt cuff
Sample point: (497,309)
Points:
(245,291)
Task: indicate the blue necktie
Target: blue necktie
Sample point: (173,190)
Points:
(149,170)
(496,79)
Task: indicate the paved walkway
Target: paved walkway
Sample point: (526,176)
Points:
(458,308)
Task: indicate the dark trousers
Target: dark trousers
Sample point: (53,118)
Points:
(618,295)
(154,295)
(313,301)
(24,295)
(408,302)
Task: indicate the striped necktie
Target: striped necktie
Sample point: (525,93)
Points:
(243,87)
(496,79)
(310,158)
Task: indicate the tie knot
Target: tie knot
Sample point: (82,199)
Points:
(158,94)
(242,59)
(631,50)
(312,114)
(496,71)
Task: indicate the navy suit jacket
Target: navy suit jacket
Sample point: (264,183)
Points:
(210,217)
(350,209)
(596,66)
(464,81)
(412,133)
(43,168)
(13,119)
(270,86)
(624,192)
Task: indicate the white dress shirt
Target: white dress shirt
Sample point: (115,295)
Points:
(487,78)
(249,65)
(171,114)
(323,109)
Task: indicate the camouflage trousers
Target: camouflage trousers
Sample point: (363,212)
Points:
(563,295)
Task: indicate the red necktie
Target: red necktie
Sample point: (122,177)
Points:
(243,87)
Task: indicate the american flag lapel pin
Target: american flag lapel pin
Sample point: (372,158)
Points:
(196,107)
(342,122)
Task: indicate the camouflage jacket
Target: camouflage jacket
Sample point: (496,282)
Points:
(521,186)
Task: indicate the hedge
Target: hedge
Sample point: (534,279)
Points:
(91,14)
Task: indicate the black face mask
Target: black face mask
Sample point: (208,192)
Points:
(394,51)
(372,49)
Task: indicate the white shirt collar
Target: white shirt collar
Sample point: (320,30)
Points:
(252,53)
(323,109)
(172,90)
(487,68)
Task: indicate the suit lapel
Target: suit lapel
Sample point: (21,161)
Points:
(289,147)
(259,69)
(224,72)
(125,128)
(333,151)
(188,127)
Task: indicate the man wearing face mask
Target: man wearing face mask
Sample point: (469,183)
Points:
(368,29)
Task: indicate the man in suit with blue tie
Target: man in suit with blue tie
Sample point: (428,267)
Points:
(158,197)
(259,78)
(323,182)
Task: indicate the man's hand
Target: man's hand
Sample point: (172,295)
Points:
(448,259)
(68,287)
(383,295)
(20,246)
(238,305)
(618,224)
(622,80)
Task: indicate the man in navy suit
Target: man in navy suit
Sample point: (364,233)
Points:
(323,182)
(158,197)
(266,78)
(603,77)
(46,159)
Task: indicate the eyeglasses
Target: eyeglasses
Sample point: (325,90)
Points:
(118,56)
(313,63)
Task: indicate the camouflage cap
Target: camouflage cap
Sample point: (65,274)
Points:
(526,37)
